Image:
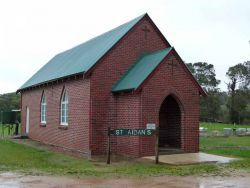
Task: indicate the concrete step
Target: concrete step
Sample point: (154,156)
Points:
(168,150)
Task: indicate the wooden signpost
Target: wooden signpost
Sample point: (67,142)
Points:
(149,131)
(108,158)
(157,145)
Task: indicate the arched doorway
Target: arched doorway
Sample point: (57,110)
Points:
(170,124)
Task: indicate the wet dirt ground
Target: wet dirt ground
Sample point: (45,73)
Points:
(14,180)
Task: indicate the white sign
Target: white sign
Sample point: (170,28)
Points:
(151,126)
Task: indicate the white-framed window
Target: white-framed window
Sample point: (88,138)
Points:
(43,109)
(64,108)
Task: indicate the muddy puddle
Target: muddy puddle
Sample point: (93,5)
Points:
(14,180)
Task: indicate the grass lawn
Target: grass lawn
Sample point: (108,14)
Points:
(27,159)
(232,141)
(233,146)
(18,157)
(220,126)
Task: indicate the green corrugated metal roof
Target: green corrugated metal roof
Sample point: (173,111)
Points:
(80,58)
(140,70)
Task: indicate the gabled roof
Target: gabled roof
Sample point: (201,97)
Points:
(140,70)
(80,58)
(145,65)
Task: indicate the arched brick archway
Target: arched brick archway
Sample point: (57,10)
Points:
(170,123)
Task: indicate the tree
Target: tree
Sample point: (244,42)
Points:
(9,101)
(238,89)
(205,75)
(210,106)
(238,76)
(247,81)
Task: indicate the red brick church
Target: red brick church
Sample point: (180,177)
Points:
(125,78)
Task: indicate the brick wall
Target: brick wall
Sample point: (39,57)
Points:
(108,72)
(76,137)
(109,109)
(127,106)
(176,82)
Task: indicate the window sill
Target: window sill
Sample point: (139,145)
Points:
(43,124)
(63,127)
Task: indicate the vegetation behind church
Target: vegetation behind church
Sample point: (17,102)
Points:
(232,106)
(9,101)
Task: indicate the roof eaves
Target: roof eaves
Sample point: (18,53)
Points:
(48,81)
(123,90)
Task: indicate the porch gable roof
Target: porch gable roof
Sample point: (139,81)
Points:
(140,70)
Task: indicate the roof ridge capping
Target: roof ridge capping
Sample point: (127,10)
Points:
(89,40)
(80,58)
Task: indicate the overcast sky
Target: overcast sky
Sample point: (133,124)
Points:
(32,32)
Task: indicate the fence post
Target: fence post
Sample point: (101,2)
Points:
(108,152)
(2,130)
(1,122)
(8,130)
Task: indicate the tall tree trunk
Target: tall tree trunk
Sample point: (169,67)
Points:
(232,108)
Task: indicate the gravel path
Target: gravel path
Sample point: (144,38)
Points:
(13,180)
